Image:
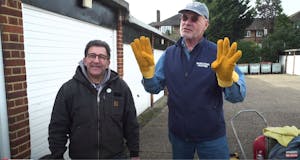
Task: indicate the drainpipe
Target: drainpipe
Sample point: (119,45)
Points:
(4,136)
(151,95)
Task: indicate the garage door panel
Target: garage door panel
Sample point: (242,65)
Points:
(56,21)
(52,51)
(48,71)
(50,76)
(53,56)
(56,64)
(54,44)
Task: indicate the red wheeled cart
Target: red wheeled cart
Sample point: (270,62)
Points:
(261,144)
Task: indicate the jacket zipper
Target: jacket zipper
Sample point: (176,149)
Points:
(98,119)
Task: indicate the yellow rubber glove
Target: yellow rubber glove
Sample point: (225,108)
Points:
(144,56)
(227,56)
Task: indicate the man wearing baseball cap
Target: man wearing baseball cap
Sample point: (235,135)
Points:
(197,74)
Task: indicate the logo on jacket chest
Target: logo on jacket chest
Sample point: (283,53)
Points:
(116,103)
(202,64)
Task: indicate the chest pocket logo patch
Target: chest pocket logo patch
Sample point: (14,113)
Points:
(202,64)
(116,103)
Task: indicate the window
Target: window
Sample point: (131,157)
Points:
(248,34)
(265,31)
(259,33)
(166,29)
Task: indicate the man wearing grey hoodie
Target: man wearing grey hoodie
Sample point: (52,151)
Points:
(95,111)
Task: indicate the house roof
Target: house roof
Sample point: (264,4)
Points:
(172,21)
(257,24)
(139,23)
(295,17)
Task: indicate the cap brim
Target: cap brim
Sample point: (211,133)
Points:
(191,10)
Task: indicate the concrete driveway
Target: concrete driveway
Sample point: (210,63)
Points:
(276,97)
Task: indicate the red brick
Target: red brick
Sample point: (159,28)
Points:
(7,71)
(19,3)
(20,140)
(14,151)
(13,111)
(13,46)
(14,37)
(22,53)
(21,132)
(22,155)
(3,19)
(18,94)
(19,102)
(4,37)
(26,102)
(10,103)
(12,120)
(11,11)
(23,70)
(14,62)
(17,70)
(24,146)
(9,87)
(13,29)
(13,20)
(12,134)
(21,38)
(15,54)
(17,126)
(12,3)
(6,53)
(15,78)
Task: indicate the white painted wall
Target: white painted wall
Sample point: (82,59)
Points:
(292,63)
(54,45)
(133,78)
(297,65)
(4,136)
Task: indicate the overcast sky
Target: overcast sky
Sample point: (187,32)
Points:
(145,10)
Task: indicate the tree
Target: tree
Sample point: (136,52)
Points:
(285,36)
(228,18)
(250,50)
(268,10)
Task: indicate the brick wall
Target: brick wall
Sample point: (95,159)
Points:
(15,77)
(120,44)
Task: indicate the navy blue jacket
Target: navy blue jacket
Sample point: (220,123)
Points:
(195,100)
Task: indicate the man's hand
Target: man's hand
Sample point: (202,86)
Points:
(144,56)
(227,56)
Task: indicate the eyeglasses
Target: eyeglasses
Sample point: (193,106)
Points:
(194,18)
(94,56)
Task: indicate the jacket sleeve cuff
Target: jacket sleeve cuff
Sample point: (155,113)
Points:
(134,153)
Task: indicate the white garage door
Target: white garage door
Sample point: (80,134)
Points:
(141,97)
(54,44)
